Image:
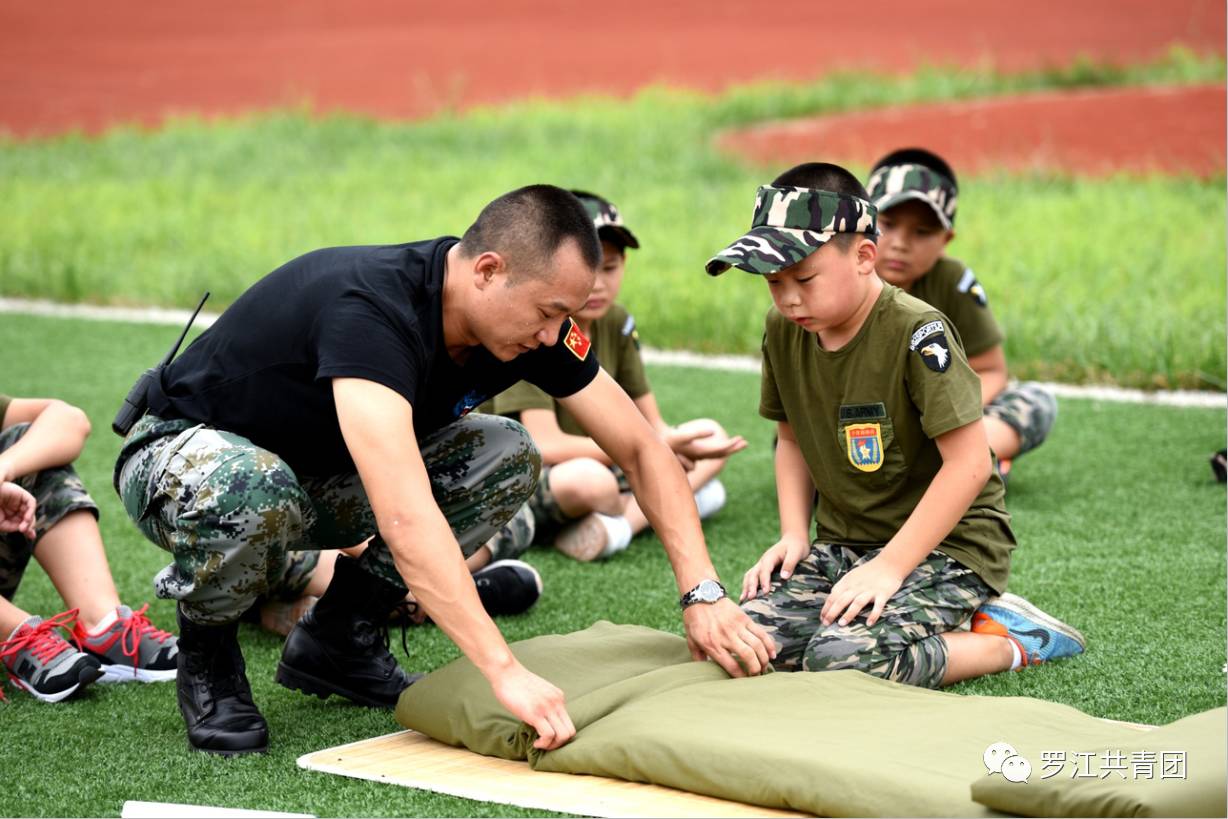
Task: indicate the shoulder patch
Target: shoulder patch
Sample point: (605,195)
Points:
(629,330)
(936,353)
(576,341)
(924,332)
(968,284)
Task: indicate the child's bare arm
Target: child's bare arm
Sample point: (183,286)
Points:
(56,436)
(990,367)
(556,445)
(795,499)
(966,466)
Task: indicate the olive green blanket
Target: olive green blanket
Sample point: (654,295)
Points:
(835,743)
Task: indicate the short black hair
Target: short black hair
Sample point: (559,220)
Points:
(526,226)
(827,177)
(918,156)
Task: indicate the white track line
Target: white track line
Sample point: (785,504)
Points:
(675,358)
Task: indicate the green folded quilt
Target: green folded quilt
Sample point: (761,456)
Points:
(833,743)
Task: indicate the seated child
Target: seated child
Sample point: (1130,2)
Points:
(39,439)
(877,408)
(916,194)
(582,504)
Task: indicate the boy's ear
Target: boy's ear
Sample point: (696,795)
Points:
(867,256)
(950,237)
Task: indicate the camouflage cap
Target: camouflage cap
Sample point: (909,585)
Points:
(607,219)
(791,223)
(890,185)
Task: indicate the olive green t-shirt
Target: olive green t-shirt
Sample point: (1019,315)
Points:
(951,288)
(617,347)
(4,407)
(866,416)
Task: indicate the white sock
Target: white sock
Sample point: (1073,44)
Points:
(106,621)
(710,498)
(617,533)
(1016,656)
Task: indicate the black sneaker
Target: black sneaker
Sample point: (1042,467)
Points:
(1219,465)
(508,587)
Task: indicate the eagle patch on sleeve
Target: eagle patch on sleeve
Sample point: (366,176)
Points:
(968,284)
(930,342)
(629,330)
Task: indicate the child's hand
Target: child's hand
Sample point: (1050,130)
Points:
(873,582)
(786,554)
(16,509)
(700,444)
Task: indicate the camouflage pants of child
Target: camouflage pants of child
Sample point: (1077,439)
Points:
(1027,408)
(58,492)
(905,645)
(232,513)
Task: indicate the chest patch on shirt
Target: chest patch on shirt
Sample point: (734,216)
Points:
(864,443)
(576,341)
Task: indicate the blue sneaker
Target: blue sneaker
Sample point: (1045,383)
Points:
(1040,637)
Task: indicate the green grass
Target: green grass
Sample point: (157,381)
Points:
(1121,531)
(1114,280)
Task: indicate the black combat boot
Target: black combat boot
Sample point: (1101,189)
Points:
(214,697)
(341,645)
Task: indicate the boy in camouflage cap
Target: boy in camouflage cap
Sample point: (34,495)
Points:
(582,504)
(916,194)
(878,410)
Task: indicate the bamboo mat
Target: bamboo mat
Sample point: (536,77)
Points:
(414,760)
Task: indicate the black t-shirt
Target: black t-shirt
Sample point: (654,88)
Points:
(264,369)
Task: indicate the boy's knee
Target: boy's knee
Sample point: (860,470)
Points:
(839,647)
(584,485)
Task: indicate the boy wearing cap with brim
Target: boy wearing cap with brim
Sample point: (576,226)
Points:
(582,504)
(916,194)
(877,408)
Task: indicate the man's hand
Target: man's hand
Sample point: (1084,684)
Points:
(873,582)
(16,509)
(537,702)
(723,633)
(786,553)
(701,444)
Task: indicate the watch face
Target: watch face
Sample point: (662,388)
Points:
(709,591)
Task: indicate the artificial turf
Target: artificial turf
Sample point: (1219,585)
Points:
(1120,523)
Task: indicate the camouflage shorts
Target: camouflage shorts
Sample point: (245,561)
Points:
(905,645)
(1029,409)
(237,518)
(58,491)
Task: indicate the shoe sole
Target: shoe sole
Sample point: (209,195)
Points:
(117,674)
(584,541)
(88,675)
(308,684)
(263,749)
(1019,604)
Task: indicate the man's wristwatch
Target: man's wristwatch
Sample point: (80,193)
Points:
(708,591)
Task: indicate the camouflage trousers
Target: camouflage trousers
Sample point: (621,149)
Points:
(905,645)
(1029,409)
(240,523)
(58,492)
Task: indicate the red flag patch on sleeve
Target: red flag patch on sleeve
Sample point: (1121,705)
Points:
(576,341)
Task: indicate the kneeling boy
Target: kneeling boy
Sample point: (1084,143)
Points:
(878,409)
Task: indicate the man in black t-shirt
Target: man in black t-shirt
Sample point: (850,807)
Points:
(331,403)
